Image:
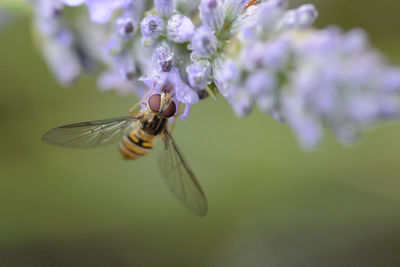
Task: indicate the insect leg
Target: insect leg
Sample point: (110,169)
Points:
(170,88)
(131,111)
(149,94)
(177,112)
(172,125)
(174,118)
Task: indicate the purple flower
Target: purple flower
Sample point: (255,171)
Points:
(49,9)
(164,7)
(212,14)
(270,12)
(180,28)
(262,85)
(261,82)
(111,80)
(226,76)
(253,55)
(302,17)
(258,55)
(186,112)
(125,26)
(306,15)
(276,54)
(198,74)
(152,26)
(47,19)
(114,46)
(61,51)
(233,8)
(63,61)
(307,128)
(346,95)
(124,65)
(163,58)
(241,102)
(204,42)
(259,22)
(391,80)
(100,11)
(183,93)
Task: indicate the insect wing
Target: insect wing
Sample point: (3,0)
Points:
(90,134)
(180,178)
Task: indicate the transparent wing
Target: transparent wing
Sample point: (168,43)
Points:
(90,134)
(180,178)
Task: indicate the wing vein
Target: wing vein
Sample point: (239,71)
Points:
(179,177)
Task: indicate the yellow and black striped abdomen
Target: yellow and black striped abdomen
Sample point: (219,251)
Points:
(136,144)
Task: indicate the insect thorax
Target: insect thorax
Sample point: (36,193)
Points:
(153,123)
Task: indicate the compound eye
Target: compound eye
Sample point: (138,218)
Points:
(154,102)
(170,110)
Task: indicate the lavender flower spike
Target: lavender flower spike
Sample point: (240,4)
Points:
(58,44)
(251,53)
(346,95)
(63,62)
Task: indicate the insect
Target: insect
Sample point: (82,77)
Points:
(137,133)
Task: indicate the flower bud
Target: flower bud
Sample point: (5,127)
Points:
(276,54)
(306,15)
(302,17)
(180,29)
(233,9)
(49,9)
(198,74)
(212,14)
(226,75)
(204,43)
(164,7)
(241,102)
(152,26)
(163,58)
(125,27)
(125,66)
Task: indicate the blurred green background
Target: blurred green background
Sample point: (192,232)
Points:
(270,203)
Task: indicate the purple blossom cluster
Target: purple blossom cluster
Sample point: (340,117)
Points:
(58,42)
(252,53)
(355,90)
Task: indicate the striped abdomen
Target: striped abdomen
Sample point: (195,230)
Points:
(136,144)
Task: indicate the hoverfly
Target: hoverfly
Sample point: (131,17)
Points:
(137,133)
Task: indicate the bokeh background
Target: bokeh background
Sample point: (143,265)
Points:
(270,203)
